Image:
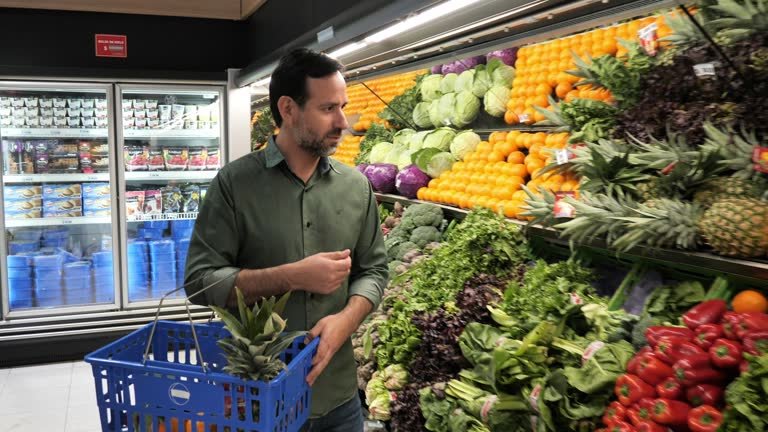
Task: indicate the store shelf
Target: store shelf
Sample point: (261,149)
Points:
(53,133)
(754,270)
(54,178)
(163,217)
(19,223)
(171,133)
(170,175)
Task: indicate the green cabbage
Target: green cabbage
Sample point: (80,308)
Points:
(496,101)
(403,137)
(440,163)
(445,107)
(463,143)
(503,76)
(416,141)
(434,113)
(393,157)
(465,110)
(448,85)
(379,152)
(404,159)
(465,81)
(440,138)
(421,115)
(430,87)
(482,83)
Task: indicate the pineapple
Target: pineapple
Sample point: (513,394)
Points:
(606,168)
(734,151)
(651,190)
(738,19)
(258,338)
(596,216)
(736,227)
(720,188)
(662,223)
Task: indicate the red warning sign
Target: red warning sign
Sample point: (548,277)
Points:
(111,45)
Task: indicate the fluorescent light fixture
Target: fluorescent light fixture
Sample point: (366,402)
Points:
(348,49)
(428,15)
(262,82)
(494,18)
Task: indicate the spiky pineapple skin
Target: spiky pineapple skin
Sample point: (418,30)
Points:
(737,227)
(724,188)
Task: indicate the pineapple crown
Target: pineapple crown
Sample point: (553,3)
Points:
(734,151)
(595,217)
(661,223)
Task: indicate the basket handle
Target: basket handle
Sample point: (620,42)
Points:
(189,315)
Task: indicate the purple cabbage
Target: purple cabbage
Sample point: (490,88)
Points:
(362,167)
(437,69)
(382,177)
(507,56)
(409,180)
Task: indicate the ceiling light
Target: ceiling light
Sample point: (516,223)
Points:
(347,49)
(428,15)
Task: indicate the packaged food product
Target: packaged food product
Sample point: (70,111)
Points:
(153,202)
(127,104)
(139,104)
(59,112)
(63,165)
(191,111)
(101,113)
(190,124)
(96,190)
(24,192)
(19,112)
(100,104)
(24,214)
(31,102)
(171,196)
(99,163)
(97,213)
(91,206)
(153,123)
(87,112)
(89,103)
(6,121)
(151,104)
(88,122)
(62,205)
(74,103)
(46,122)
(190,198)
(140,113)
(5,102)
(153,114)
(60,122)
(99,148)
(140,123)
(59,103)
(24,204)
(204,113)
(46,103)
(136,158)
(17,102)
(129,123)
(32,111)
(197,158)
(46,112)
(86,162)
(61,148)
(63,190)
(33,122)
(156,159)
(178,111)
(176,158)
(21,157)
(5,111)
(19,122)
(74,112)
(73,122)
(165,112)
(102,122)
(134,203)
(212,160)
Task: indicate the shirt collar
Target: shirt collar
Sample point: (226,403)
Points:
(274,156)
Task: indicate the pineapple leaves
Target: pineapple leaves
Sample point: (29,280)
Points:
(280,305)
(230,322)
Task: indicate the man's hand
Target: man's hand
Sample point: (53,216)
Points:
(321,273)
(334,331)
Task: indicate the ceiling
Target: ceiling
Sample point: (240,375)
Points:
(218,9)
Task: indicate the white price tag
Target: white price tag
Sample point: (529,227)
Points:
(562,156)
(55,132)
(487,406)
(26,132)
(154,174)
(704,69)
(592,348)
(91,177)
(576,299)
(524,118)
(27,180)
(533,399)
(66,222)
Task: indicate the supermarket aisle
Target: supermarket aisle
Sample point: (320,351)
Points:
(56,397)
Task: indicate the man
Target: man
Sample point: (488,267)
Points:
(290,219)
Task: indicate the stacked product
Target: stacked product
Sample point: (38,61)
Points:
(96,199)
(55,238)
(152,230)
(78,287)
(22,202)
(103,276)
(36,112)
(63,200)
(149,114)
(182,249)
(162,255)
(47,272)
(138,270)
(20,281)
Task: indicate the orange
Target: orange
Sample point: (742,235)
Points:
(543,89)
(434,184)
(458,166)
(562,89)
(750,301)
(516,157)
(512,138)
(503,192)
(539,137)
(519,170)
(484,147)
(515,182)
(519,195)
(538,117)
(420,193)
(541,101)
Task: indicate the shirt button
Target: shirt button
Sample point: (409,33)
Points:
(310,296)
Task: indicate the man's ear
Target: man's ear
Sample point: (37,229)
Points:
(287,108)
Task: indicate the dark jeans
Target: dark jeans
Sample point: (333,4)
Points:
(346,418)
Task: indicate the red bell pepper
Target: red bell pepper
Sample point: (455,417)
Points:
(634,361)
(730,321)
(653,333)
(653,371)
(649,426)
(670,389)
(750,322)
(641,411)
(671,350)
(689,373)
(707,334)
(615,412)
(704,419)
(756,343)
(631,388)
(744,366)
(705,394)
(708,312)
(621,427)
(725,353)
(670,412)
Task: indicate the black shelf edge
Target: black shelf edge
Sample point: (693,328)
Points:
(750,271)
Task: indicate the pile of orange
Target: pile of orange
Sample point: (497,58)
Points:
(348,149)
(541,69)
(492,176)
(366,103)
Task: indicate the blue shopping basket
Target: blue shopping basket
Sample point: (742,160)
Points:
(167,377)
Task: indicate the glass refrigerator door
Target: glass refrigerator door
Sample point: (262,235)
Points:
(172,148)
(59,222)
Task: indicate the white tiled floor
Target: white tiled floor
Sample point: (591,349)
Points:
(57,397)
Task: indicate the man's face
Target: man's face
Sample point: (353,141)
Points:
(321,121)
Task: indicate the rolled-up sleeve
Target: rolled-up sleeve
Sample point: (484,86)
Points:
(370,273)
(213,247)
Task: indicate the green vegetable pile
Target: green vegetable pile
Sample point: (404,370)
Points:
(747,398)
(400,109)
(375,134)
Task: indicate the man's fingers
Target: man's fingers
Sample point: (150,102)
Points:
(338,255)
(314,332)
(317,369)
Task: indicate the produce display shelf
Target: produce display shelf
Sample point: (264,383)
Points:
(87,220)
(171,133)
(753,271)
(171,175)
(53,133)
(162,217)
(55,178)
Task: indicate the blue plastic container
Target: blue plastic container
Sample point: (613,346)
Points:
(105,293)
(164,258)
(126,385)
(77,283)
(77,269)
(55,243)
(67,257)
(149,234)
(162,246)
(55,233)
(47,284)
(28,234)
(50,261)
(182,243)
(16,247)
(47,273)
(184,223)
(102,259)
(19,261)
(19,273)
(137,247)
(161,225)
(185,233)
(20,293)
(20,284)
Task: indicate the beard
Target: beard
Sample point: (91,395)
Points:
(317,145)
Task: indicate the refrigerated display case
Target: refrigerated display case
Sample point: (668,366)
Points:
(59,218)
(171,139)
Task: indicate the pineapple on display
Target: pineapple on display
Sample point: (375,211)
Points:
(736,227)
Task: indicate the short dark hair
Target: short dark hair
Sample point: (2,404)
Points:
(290,76)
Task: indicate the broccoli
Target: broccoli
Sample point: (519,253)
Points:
(419,215)
(393,266)
(404,248)
(425,234)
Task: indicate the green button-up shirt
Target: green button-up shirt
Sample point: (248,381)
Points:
(258,214)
